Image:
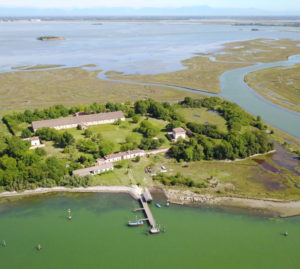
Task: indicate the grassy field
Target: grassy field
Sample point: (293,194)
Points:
(200,74)
(240,178)
(114,133)
(72,86)
(203,74)
(259,50)
(202,115)
(280,85)
(118,133)
(237,179)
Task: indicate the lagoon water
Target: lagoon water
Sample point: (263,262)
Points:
(97,236)
(130,47)
(141,47)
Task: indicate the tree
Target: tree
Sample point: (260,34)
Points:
(173,124)
(66,139)
(141,107)
(117,122)
(148,129)
(55,168)
(88,146)
(16,148)
(136,118)
(87,133)
(48,134)
(26,133)
(106,147)
(8,163)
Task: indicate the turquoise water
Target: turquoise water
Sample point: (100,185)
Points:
(97,236)
(235,89)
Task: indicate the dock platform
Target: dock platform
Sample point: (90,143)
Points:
(149,217)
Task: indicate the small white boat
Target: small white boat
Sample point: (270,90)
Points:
(70,216)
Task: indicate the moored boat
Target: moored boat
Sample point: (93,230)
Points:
(135,223)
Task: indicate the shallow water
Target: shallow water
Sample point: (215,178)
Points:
(145,47)
(129,47)
(97,236)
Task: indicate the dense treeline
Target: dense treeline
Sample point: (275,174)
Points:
(209,143)
(233,146)
(235,116)
(21,168)
(164,111)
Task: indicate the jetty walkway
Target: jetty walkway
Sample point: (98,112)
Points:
(144,198)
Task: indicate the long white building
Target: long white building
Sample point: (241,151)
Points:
(94,170)
(77,120)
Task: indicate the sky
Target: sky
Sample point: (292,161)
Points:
(259,4)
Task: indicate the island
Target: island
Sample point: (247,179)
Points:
(50,38)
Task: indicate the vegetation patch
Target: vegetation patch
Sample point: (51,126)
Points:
(202,73)
(280,85)
(72,86)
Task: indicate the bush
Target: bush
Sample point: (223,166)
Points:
(148,129)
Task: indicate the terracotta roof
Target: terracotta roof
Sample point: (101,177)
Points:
(179,130)
(87,170)
(121,154)
(115,155)
(81,119)
(32,138)
(100,160)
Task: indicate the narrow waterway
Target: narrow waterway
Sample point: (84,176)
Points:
(97,236)
(234,88)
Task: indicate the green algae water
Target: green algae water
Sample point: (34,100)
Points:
(97,236)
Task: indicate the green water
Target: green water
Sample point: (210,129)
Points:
(97,236)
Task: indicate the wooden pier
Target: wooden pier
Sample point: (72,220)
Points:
(149,217)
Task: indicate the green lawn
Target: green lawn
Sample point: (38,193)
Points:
(118,133)
(114,133)
(125,173)
(202,115)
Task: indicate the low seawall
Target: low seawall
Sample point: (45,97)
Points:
(132,191)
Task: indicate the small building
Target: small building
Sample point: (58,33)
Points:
(35,142)
(94,170)
(134,153)
(178,132)
(114,157)
(121,156)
